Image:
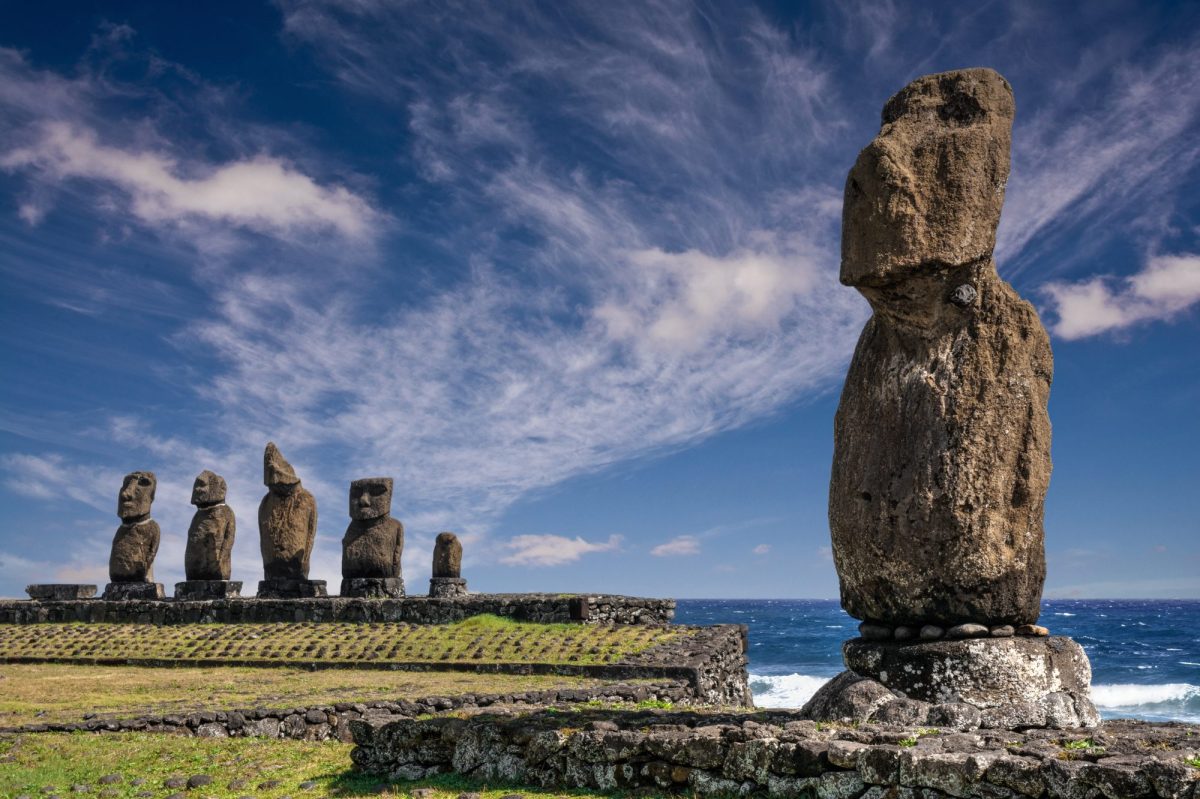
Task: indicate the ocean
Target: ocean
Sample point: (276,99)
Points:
(1145,653)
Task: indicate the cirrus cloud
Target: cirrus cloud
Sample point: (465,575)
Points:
(553,550)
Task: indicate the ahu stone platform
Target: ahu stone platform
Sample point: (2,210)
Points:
(780,754)
(546,608)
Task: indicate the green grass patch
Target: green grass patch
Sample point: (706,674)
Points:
(142,763)
(1194,762)
(477,640)
(1081,744)
(43,693)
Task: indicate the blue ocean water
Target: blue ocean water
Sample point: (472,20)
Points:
(1145,653)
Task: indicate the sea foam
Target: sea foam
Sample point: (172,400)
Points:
(784,690)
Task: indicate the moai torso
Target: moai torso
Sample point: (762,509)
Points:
(942,437)
(447,556)
(212,532)
(287,520)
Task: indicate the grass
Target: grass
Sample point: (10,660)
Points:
(1194,762)
(29,763)
(477,640)
(1081,744)
(44,693)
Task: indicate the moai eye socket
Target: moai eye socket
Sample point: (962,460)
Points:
(377,490)
(144,482)
(356,491)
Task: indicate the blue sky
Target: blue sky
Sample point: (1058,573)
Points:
(566,271)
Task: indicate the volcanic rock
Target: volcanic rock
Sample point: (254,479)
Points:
(287,520)
(447,556)
(136,541)
(211,534)
(374,541)
(942,438)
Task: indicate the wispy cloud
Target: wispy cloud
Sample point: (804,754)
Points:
(762,549)
(1167,286)
(553,550)
(680,545)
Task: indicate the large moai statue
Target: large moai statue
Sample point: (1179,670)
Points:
(373,543)
(131,562)
(287,528)
(942,437)
(207,559)
(447,580)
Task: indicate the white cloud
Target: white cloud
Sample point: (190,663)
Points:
(679,545)
(261,193)
(1165,287)
(553,550)
(762,549)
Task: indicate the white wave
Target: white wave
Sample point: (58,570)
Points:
(1129,696)
(784,690)
(1064,613)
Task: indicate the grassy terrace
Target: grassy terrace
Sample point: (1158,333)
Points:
(136,765)
(478,640)
(46,693)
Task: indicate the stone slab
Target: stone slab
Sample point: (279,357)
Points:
(125,592)
(997,683)
(208,589)
(291,589)
(447,587)
(60,592)
(373,587)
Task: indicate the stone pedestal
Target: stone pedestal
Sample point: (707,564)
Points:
(373,587)
(126,591)
(999,683)
(447,587)
(291,589)
(208,589)
(60,592)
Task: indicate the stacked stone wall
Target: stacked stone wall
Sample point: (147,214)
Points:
(779,754)
(545,608)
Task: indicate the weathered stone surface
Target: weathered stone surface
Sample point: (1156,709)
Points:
(136,541)
(374,541)
(942,438)
(212,531)
(287,520)
(447,587)
(372,587)
(447,556)
(1011,683)
(203,590)
(128,592)
(286,588)
(60,592)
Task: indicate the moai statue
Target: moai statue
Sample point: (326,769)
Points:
(131,563)
(287,528)
(942,438)
(206,561)
(373,543)
(447,578)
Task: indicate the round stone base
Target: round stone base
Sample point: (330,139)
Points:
(291,589)
(373,587)
(1000,683)
(126,591)
(447,587)
(199,590)
(60,592)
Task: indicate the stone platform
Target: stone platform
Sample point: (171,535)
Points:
(1000,683)
(549,608)
(60,592)
(447,586)
(208,589)
(122,592)
(291,589)
(778,754)
(373,587)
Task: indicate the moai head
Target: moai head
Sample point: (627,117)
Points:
(137,492)
(278,474)
(370,498)
(447,556)
(925,194)
(209,489)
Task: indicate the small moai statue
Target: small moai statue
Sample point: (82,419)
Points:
(206,560)
(447,581)
(373,543)
(287,528)
(131,563)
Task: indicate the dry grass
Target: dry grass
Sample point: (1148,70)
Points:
(45,693)
(478,640)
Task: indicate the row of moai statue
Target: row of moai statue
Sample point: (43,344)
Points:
(287,528)
(942,435)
